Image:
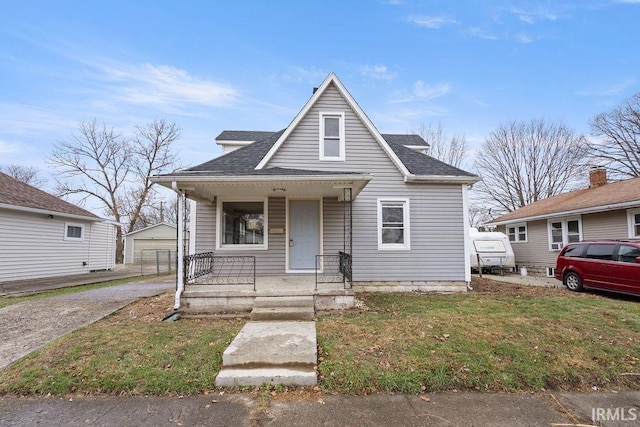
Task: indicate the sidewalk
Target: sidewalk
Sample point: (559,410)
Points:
(454,409)
(32,286)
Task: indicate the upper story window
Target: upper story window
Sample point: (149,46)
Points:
(393,224)
(634,223)
(517,232)
(73,231)
(332,136)
(242,224)
(563,231)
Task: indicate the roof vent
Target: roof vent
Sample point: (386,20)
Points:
(597,177)
(315,89)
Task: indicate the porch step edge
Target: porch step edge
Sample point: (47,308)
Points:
(283,301)
(283,313)
(259,376)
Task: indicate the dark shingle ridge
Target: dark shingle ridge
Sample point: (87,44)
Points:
(423,164)
(243,135)
(17,193)
(244,160)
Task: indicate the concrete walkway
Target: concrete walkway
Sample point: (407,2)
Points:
(33,286)
(452,409)
(28,326)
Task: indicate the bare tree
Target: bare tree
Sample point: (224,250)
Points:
(98,163)
(449,149)
(522,162)
(619,149)
(27,174)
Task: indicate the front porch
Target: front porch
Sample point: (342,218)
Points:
(228,284)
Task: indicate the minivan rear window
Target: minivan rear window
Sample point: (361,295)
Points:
(600,251)
(574,251)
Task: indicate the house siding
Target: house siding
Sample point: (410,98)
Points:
(605,225)
(33,246)
(535,253)
(102,246)
(437,223)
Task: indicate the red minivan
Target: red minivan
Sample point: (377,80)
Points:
(608,265)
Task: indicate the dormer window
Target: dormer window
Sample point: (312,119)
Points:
(332,136)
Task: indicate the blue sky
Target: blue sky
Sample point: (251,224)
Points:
(215,65)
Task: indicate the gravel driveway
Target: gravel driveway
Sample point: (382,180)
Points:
(28,326)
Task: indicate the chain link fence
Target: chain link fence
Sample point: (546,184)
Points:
(157,261)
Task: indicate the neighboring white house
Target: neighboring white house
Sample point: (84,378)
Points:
(143,244)
(44,236)
(327,195)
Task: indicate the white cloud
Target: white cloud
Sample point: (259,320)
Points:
(425,91)
(158,85)
(523,38)
(481,33)
(532,16)
(432,22)
(607,90)
(7,147)
(379,72)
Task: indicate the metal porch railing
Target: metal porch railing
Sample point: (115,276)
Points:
(220,270)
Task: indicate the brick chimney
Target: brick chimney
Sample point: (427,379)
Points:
(597,177)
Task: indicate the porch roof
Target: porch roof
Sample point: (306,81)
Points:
(271,182)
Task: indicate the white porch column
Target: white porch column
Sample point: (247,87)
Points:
(180,282)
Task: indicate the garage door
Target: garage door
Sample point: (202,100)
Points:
(145,249)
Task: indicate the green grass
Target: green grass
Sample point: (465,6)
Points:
(10,300)
(403,343)
(421,343)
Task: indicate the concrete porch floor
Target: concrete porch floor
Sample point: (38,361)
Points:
(207,296)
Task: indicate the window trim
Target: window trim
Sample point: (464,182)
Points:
(406,217)
(517,234)
(66,231)
(241,247)
(565,239)
(341,136)
(631,223)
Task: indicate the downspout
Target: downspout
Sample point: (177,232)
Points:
(467,238)
(180,281)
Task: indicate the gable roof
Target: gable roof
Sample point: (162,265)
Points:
(617,195)
(243,161)
(332,79)
(150,227)
(17,195)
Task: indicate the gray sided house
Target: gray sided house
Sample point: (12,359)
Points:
(44,236)
(603,211)
(328,200)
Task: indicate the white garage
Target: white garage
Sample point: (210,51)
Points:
(151,243)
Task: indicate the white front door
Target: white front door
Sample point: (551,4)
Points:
(304,234)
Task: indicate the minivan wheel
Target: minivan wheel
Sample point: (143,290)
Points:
(573,281)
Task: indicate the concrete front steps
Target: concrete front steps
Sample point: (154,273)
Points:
(283,308)
(273,352)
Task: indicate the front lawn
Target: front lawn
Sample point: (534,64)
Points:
(498,337)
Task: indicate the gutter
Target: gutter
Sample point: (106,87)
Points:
(180,274)
(254,178)
(593,209)
(50,212)
(441,179)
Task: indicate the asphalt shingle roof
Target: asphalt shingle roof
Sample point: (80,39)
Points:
(243,135)
(17,193)
(609,194)
(244,160)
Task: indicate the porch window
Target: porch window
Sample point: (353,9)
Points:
(332,136)
(634,223)
(517,233)
(393,224)
(563,231)
(242,224)
(73,231)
